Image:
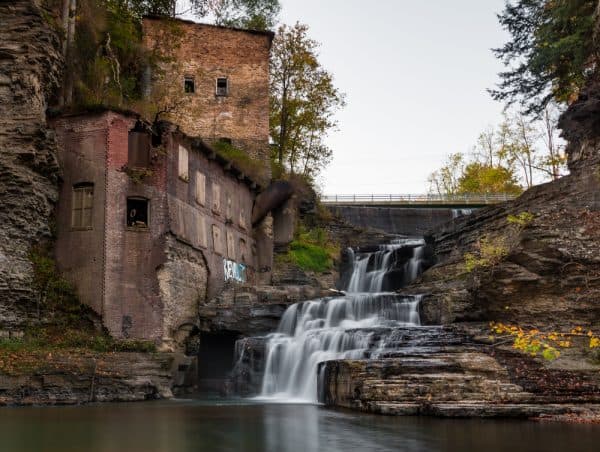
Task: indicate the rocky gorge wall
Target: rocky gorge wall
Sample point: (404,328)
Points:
(30,66)
(531,264)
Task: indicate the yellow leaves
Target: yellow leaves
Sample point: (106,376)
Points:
(534,341)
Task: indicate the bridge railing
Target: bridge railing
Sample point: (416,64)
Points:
(466,199)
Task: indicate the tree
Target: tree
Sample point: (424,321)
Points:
(553,161)
(533,146)
(487,179)
(303,102)
(445,181)
(251,14)
(550,53)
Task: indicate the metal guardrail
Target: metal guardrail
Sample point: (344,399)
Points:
(467,199)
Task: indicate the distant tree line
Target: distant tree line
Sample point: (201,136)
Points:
(508,158)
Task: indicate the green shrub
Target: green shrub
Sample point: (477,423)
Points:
(250,166)
(310,257)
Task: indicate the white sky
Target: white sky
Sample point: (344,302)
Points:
(415,74)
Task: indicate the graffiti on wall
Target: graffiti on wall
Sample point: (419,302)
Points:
(234,271)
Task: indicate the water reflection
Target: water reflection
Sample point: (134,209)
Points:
(208,426)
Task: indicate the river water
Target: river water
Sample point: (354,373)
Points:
(216,425)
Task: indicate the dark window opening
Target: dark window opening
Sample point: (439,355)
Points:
(137,213)
(139,149)
(82,205)
(225,140)
(189,85)
(222,86)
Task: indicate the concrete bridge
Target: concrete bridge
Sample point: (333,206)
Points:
(407,214)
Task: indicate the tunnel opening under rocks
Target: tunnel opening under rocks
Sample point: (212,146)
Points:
(215,359)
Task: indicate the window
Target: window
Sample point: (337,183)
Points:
(242,221)
(137,213)
(138,149)
(216,198)
(217,239)
(225,140)
(243,251)
(200,188)
(230,245)
(229,208)
(189,86)
(83,202)
(222,86)
(183,164)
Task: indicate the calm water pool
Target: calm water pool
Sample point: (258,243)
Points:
(197,425)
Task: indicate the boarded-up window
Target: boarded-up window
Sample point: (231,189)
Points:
(216,198)
(243,251)
(242,218)
(138,213)
(230,245)
(229,208)
(200,232)
(138,149)
(83,203)
(200,188)
(217,239)
(183,164)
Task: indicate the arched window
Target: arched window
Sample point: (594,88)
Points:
(82,205)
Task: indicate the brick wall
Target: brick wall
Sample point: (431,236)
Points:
(82,157)
(205,53)
(190,220)
(147,282)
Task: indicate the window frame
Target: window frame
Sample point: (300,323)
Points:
(78,196)
(219,92)
(183,164)
(186,79)
(137,227)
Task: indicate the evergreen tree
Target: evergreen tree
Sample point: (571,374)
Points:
(550,53)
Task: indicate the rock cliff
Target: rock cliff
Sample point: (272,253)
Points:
(30,67)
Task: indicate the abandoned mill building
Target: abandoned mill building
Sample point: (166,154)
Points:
(151,219)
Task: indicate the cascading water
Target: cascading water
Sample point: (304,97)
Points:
(354,326)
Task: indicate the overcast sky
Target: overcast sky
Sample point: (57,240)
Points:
(415,74)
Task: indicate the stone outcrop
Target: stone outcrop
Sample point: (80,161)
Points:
(442,372)
(30,66)
(252,311)
(64,377)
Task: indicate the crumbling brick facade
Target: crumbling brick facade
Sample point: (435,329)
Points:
(220,78)
(144,245)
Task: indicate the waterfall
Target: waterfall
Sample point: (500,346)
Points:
(370,269)
(355,326)
(456,213)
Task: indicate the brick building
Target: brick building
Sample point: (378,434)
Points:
(149,224)
(221,75)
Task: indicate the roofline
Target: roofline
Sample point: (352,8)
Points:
(195,143)
(198,144)
(267,33)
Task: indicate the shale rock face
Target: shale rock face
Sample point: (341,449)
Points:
(251,311)
(65,378)
(30,65)
(442,372)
